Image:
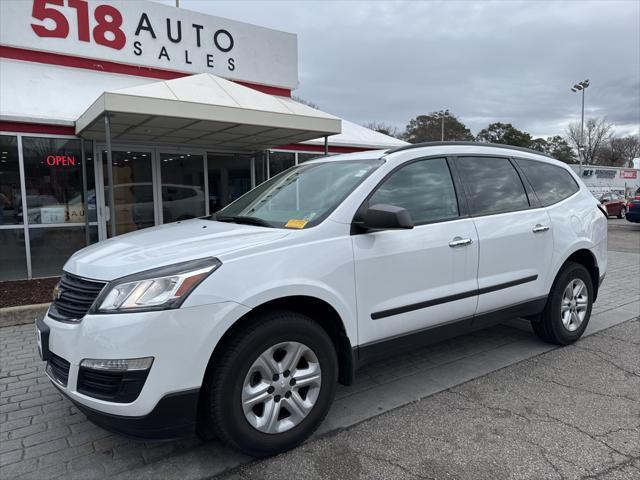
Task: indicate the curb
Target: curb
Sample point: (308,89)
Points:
(22,314)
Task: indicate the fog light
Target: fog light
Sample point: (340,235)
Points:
(124,365)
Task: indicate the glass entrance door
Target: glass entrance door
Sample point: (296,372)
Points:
(229,178)
(182,186)
(133,190)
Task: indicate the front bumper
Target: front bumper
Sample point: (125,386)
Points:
(180,341)
(174,416)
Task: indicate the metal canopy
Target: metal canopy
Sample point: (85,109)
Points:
(203,111)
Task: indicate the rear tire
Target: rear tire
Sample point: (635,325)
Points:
(623,212)
(247,370)
(568,309)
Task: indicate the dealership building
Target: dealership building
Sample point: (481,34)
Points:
(121,115)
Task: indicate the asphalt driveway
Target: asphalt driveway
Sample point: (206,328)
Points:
(573,412)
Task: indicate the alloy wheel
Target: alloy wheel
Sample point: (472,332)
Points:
(575,301)
(281,387)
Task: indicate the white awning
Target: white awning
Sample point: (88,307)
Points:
(204,111)
(354,135)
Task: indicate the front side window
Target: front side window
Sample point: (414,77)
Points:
(299,197)
(492,184)
(551,183)
(424,188)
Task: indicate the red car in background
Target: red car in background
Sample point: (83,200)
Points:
(615,204)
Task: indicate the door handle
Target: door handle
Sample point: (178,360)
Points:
(540,228)
(460,242)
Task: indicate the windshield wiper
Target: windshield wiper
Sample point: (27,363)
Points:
(246,220)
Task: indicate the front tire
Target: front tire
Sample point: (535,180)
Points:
(271,385)
(568,309)
(623,212)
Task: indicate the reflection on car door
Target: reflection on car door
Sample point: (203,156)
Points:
(516,241)
(408,280)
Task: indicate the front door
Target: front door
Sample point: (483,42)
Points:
(182,186)
(133,191)
(408,280)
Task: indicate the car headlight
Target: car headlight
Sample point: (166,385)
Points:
(158,289)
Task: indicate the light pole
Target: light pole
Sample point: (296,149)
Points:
(581,87)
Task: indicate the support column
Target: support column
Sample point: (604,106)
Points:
(85,203)
(112,210)
(326,145)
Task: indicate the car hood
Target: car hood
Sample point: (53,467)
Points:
(165,245)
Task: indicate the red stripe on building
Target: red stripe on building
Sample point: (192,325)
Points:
(301,147)
(36,128)
(114,67)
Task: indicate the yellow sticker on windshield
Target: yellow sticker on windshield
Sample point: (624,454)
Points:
(293,223)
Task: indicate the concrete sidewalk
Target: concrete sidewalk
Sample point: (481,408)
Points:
(43,436)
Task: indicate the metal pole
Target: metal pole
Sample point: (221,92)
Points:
(85,204)
(580,155)
(112,211)
(442,128)
(326,145)
(177,3)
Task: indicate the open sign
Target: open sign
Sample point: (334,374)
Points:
(61,160)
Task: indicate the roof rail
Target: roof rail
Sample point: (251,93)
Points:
(474,144)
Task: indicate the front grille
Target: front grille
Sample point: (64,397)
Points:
(119,387)
(75,297)
(58,368)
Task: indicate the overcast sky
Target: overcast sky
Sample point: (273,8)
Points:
(502,61)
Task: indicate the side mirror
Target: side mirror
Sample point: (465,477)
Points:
(386,217)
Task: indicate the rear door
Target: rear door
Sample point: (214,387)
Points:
(408,280)
(515,236)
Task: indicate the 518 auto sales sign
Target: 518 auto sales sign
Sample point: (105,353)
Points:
(148,34)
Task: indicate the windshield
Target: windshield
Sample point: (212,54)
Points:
(301,196)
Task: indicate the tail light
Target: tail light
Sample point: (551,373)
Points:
(603,210)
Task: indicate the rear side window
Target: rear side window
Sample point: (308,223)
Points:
(551,183)
(424,188)
(492,184)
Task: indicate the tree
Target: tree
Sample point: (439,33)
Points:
(595,134)
(428,128)
(305,102)
(618,151)
(555,146)
(504,133)
(384,128)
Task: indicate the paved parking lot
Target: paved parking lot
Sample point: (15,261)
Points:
(624,236)
(569,413)
(43,436)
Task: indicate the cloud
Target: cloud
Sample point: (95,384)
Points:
(502,61)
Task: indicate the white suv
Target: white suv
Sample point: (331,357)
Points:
(241,324)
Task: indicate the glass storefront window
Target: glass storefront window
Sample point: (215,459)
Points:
(13,262)
(51,247)
(132,192)
(10,198)
(53,179)
(280,161)
(229,178)
(260,163)
(182,186)
(303,157)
